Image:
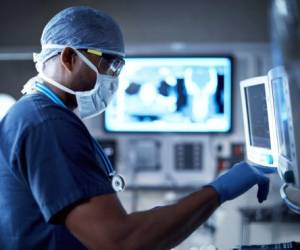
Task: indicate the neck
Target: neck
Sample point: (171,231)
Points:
(52,70)
(68,99)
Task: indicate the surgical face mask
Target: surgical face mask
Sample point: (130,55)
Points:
(92,102)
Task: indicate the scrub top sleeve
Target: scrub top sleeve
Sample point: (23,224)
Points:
(61,166)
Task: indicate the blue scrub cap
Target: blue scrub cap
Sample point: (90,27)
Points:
(80,27)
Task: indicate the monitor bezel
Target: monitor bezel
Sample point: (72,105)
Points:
(258,155)
(225,56)
(290,92)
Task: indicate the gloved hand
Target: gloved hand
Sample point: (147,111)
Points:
(239,179)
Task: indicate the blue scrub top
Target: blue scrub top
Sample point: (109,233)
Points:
(47,163)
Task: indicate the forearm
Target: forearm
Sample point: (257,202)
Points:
(165,227)
(102,223)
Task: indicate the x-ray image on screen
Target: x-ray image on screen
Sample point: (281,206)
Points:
(281,117)
(259,132)
(176,94)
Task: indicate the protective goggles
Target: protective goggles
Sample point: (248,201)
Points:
(108,63)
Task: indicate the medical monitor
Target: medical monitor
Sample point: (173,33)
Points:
(286,99)
(260,137)
(172,94)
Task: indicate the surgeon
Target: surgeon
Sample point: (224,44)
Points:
(57,188)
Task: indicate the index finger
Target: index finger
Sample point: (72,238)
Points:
(266,170)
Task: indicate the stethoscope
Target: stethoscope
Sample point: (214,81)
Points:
(117,181)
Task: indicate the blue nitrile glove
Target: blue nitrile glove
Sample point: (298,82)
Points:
(239,179)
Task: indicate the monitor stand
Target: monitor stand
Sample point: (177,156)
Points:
(291,197)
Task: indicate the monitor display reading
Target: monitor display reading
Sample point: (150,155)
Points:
(259,132)
(172,94)
(281,117)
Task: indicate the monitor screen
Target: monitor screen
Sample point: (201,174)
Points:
(259,133)
(281,117)
(172,94)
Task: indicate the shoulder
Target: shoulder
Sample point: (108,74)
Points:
(36,111)
(37,108)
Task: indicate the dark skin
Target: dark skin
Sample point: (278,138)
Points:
(69,70)
(101,222)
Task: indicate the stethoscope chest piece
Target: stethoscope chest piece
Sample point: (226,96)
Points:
(118,183)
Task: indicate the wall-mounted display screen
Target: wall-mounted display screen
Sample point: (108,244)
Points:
(172,94)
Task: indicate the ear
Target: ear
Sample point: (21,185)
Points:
(68,58)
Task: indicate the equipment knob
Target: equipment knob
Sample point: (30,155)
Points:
(289,176)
